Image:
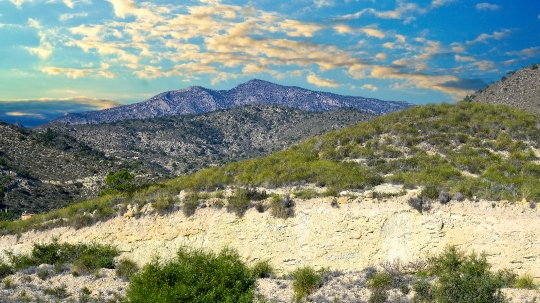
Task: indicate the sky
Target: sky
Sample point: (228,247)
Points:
(61,56)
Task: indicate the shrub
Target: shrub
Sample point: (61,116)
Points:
(60,291)
(5,270)
(444,197)
(423,291)
(306,279)
(379,284)
(282,207)
(194,276)
(44,274)
(239,203)
(164,204)
(190,204)
(525,281)
(458,197)
(126,268)
(464,279)
(262,269)
(419,203)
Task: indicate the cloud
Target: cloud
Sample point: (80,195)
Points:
(445,83)
(464,58)
(123,7)
(484,65)
(19,3)
(527,52)
(495,36)
(487,6)
(78,72)
(25,114)
(322,3)
(65,17)
(313,79)
(380,56)
(95,103)
(404,11)
(295,28)
(369,86)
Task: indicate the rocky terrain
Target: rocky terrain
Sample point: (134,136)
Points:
(196,100)
(44,171)
(185,143)
(520,89)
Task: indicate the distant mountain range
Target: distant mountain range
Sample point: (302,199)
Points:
(197,100)
(519,89)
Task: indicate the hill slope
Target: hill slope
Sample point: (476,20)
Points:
(43,171)
(196,100)
(185,143)
(520,89)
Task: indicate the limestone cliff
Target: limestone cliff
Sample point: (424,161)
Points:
(358,233)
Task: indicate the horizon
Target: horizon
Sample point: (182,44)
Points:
(83,55)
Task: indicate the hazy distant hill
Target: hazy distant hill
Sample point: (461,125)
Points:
(185,143)
(196,100)
(520,89)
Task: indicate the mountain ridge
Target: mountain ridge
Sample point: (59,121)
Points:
(197,99)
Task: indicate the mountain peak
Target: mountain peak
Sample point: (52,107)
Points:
(197,99)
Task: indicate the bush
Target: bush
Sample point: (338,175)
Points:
(464,279)
(444,197)
(126,268)
(282,207)
(262,269)
(423,291)
(239,203)
(526,282)
(60,292)
(5,270)
(419,203)
(379,284)
(194,276)
(306,279)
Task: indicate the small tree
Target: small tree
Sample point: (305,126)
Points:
(118,182)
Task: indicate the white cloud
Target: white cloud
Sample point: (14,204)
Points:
(33,23)
(24,114)
(380,56)
(369,86)
(487,6)
(313,79)
(19,3)
(65,17)
(463,58)
(78,72)
(527,52)
(123,7)
(322,3)
(495,36)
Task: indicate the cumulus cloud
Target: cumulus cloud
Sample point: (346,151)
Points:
(463,58)
(369,86)
(322,3)
(123,7)
(24,114)
(314,79)
(19,3)
(487,6)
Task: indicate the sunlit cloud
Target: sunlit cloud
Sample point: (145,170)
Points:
(369,86)
(24,114)
(464,58)
(78,72)
(313,79)
(527,52)
(96,103)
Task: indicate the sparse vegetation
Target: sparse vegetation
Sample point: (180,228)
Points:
(306,279)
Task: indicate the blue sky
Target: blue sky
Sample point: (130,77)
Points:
(59,56)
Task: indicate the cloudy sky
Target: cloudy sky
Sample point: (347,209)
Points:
(59,56)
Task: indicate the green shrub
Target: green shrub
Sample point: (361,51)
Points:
(463,279)
(194,276)
(306,279)
(262,269)
(379,284)
(126,268)
(423,290)
(164,204)
(59,292)
(44,274)
(525,281)
(239,203)
(5,270)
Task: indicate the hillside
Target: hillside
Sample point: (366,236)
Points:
(185,143)
(196,100)
(520,89)
(44,171)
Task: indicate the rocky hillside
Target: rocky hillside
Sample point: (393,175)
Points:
(44,171)
(520,89)
(185,143)
(196,100)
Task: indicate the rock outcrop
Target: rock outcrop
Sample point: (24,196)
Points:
(349,234)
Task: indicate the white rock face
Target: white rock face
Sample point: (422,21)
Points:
(358,233)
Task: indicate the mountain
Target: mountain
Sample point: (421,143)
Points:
(520,89)
(186,143)
(196,100)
